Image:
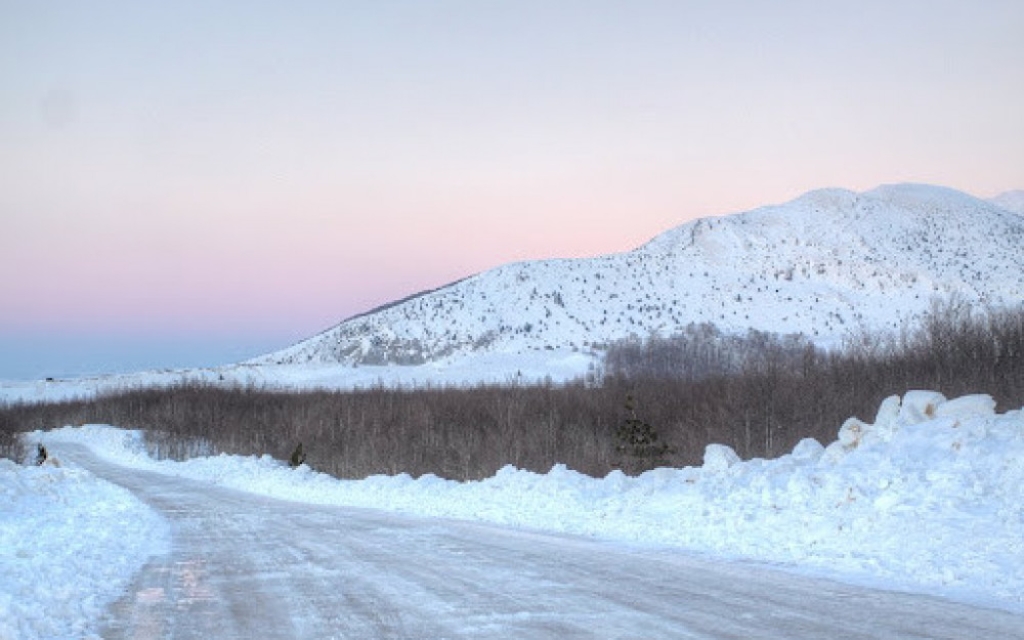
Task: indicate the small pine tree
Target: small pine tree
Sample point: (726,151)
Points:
(298,457)
(638,442)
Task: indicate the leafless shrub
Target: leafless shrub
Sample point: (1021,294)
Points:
(11,446)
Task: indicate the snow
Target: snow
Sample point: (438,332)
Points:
(556,366)
(69,544)
(927,498)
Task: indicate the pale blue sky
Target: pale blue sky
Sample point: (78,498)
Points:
(246,174)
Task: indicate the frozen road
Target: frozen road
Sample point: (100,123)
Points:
(244,566)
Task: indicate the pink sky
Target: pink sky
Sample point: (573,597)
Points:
(266,170)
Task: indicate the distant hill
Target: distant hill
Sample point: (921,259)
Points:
(828,263)
(1011,201)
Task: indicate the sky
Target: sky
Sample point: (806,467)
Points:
(192,183)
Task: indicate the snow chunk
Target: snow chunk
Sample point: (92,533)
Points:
(719,458)
(919,406)
(887,418)
(852,432)
(964,407)
(808,450)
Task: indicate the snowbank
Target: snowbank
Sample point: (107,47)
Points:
(928,497)
(69,544)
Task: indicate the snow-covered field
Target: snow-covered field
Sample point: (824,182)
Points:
(557,366)
(929,497)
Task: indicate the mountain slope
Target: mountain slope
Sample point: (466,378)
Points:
(828,263)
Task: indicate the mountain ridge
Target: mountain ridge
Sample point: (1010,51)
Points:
(827,264)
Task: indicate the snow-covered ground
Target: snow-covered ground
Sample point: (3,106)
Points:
(69,545)
(556,365)
(929,497)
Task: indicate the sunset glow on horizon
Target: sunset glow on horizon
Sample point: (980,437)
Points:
(248,174)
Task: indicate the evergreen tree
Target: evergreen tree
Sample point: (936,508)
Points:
(638,441)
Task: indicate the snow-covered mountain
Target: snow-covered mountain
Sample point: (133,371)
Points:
(828,263)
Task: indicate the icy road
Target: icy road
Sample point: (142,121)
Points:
(244,566)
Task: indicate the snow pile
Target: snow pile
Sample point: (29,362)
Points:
(69,544)
(928,497)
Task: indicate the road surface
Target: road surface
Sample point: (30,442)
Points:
(245,566)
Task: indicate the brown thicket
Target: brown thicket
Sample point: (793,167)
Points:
(759,394)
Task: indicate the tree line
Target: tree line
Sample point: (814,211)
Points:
(759,393)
